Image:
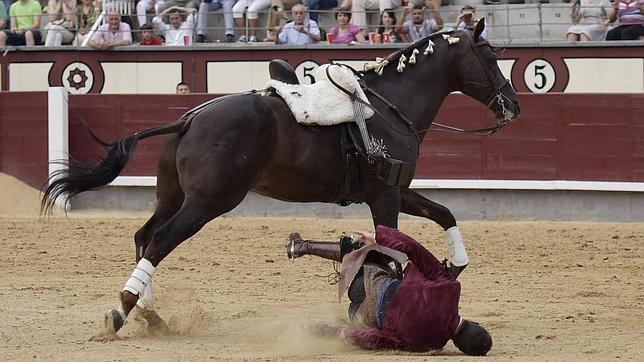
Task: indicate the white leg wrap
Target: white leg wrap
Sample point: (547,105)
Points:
(456,247)
(141,277)
(145,301)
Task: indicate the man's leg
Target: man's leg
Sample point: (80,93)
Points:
(228,17)
(202,16)
(142,8)
(633,32)
(3,38)
(388,4)
(324,249)
(29,38)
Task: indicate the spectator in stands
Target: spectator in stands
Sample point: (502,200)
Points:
(345,32)
(388,26)
(3,15)
(418,26)
(315,5)
(277,13)
(630,14)
(183,88)
(467,20)
(143,6)
(299,31)
(62,22)
(87,11)
(591,19)
(178,32)
(208,6)
(113,33)
(251,8)
(25,24)
(148,37)
(359,9)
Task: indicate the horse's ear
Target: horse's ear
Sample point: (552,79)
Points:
(480,25)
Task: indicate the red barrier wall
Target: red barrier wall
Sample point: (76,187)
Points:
(558,137)
(588,137)
(23,136)
(112,117)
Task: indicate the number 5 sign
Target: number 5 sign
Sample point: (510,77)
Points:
(539,76)
(305,70)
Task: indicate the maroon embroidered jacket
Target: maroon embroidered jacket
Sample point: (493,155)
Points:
(423,314)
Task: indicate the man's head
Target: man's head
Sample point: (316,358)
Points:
(114,20)
(299,14)
(418,14)
(146,31)
(472,339)
(176,18)
(183,88)
(468,13)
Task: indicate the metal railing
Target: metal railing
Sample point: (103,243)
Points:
(518,22)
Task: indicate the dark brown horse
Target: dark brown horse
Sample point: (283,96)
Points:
(252,142)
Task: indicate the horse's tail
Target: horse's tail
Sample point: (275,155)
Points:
(78,177)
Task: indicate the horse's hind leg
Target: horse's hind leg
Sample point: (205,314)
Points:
(413,203)
(169,199)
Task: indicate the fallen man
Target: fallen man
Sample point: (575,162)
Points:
(416,310)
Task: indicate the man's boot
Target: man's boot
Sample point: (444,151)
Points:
(324,249)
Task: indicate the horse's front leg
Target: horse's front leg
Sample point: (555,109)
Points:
(385,207)
(413,203)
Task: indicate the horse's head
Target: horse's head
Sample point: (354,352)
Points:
(481,77)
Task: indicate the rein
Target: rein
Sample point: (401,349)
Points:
(408,123)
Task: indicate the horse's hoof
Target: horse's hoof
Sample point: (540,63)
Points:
(454,270)
(113,321)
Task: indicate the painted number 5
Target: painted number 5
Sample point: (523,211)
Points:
(305,71)
(539,76)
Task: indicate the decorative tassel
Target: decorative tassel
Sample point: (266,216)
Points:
(378,66)
(430,47)
(412,58)
(401,63)
(451,40)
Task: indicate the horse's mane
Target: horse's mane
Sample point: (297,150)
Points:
(395,56)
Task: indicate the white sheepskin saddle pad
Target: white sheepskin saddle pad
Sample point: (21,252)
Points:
(322,103)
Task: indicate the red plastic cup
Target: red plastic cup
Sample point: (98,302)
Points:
(329,38)
(372,37)
(385,38)
(186,40)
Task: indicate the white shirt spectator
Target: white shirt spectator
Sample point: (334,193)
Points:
(105,35)
(289,35)
(175,36)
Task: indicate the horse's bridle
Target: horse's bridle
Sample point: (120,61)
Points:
(497,95)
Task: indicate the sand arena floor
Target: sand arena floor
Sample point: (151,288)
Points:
(545,291)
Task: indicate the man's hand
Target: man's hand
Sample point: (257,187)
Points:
(299,27)
(365,237)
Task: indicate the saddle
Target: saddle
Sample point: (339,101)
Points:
(389,171)
(282,71)
(321,103)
